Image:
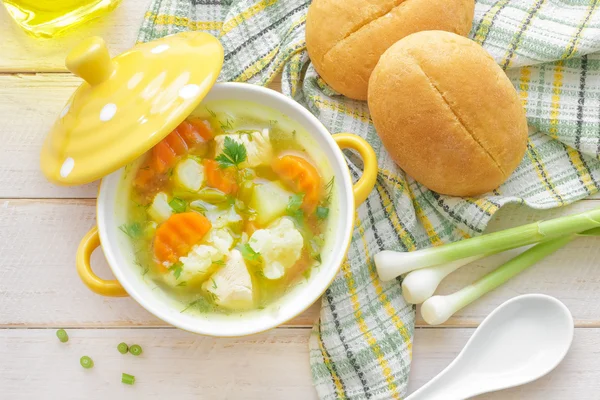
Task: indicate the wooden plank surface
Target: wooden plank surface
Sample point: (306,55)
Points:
(271,365)
(174,363)
(39,286)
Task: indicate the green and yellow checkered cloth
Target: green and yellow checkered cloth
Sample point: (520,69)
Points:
(361,347)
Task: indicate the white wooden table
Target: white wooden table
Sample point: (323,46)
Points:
(41,225)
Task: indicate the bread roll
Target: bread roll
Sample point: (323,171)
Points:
(447,113)
(345,38)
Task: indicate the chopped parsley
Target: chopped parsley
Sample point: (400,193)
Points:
(322,212)
(233,155)
(219,262)
(177,268)
(248,253)
(180,284)
(306,273)
(178,205)
(293,208)
(315,245)
(133,230)
(214,284)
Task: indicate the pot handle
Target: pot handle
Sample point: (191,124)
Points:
(88,244)
(366,183)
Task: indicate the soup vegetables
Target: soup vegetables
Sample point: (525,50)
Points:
(227,219)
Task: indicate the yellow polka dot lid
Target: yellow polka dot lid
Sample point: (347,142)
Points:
(127,104)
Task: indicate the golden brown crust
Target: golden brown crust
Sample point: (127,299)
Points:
(345,38)
(447,113)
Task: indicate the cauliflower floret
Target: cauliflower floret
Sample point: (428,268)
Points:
(280,246)
(231,286)
(221,239)
(195,267)
(257,144)
(222,218)
(200,261)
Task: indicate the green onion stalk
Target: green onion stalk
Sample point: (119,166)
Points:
(391,264)
(437,309)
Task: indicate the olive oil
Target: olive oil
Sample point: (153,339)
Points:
(49,18)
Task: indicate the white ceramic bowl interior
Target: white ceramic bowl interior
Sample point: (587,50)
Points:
(118,249)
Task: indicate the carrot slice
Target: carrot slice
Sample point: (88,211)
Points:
(177,235)
(222,179)
(166,153)
(302,177)
(202,128)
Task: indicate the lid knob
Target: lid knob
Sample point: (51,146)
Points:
(90,61)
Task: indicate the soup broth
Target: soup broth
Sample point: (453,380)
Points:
(229,211)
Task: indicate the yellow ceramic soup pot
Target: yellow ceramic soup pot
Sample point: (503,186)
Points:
(323,147)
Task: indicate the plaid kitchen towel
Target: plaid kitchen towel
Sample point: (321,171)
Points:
(361,347)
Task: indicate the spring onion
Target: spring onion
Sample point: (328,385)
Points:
(127,379)
(123,348)
(391,264)
(86,362)
(135,349)
(61,334)
(437,309)
(419,285)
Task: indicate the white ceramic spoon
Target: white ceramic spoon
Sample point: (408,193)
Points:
(520,341)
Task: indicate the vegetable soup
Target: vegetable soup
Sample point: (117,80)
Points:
(228,212)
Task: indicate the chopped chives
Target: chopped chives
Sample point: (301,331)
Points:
(135,349)
(86,362)
(61,334)
(123,348)
(127,379)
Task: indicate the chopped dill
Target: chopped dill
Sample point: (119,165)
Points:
(211,112)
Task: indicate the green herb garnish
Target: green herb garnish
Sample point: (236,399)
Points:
(133,230)
(214,284)
(248,253)
(233,155)
(306,273)
(322,212)
(213,297)
(177,268)
(181,284)
(211,112)
(178,205)
(315,248)
(202,304)
(227,125)
(293,208)
(219,262)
